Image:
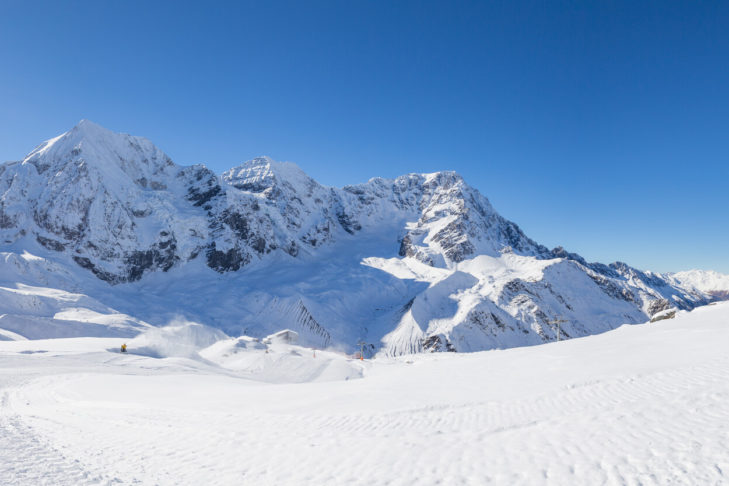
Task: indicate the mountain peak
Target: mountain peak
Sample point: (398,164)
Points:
(262,161)
(104,149)
(281,170)
(70,142)
(88,127)
(260,173)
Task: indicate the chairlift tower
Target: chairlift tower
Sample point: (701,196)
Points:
(558,321)
(361,345)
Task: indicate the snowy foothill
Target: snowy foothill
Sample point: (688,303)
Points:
(641,404)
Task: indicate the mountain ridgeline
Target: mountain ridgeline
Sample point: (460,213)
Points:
(438,268)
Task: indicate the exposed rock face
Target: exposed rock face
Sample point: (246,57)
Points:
(117,206)
(657,306)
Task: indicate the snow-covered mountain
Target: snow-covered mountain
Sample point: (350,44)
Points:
(421,262)
(710,282)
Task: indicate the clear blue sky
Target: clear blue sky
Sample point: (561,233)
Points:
(599,126)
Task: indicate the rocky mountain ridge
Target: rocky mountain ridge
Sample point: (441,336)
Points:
(118,207)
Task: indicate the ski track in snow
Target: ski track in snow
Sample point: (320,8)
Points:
(658,418)
(27,458)
(565,436)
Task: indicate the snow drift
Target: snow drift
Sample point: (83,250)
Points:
(178,339)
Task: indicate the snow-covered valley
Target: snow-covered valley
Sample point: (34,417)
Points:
(644,404)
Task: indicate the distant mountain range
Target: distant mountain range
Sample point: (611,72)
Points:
(102,233)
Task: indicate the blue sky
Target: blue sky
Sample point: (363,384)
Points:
(599,126)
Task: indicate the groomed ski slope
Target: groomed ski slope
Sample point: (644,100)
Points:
(645,404)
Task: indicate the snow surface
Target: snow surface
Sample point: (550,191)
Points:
(637,405)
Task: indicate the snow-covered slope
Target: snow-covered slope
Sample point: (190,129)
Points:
(637,405)
(420,262)
(34,304)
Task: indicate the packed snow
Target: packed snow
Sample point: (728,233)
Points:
(645,404)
